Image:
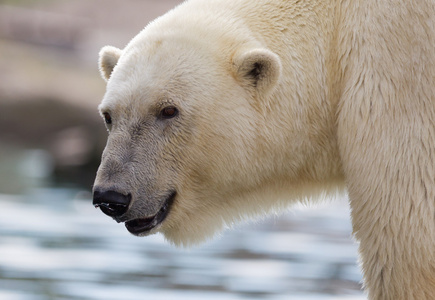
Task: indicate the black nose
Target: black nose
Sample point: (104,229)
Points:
(111,203)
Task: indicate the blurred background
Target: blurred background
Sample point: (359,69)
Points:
(55,245)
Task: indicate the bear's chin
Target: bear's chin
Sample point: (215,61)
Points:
(150,225)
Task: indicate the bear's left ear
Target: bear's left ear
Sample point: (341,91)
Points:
(257,69)
(108,58)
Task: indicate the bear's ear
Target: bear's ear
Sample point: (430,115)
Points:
(108,58)
(258,69)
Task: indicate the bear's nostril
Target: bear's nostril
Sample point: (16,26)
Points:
(111,203)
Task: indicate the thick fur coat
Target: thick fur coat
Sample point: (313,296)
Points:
(224,109)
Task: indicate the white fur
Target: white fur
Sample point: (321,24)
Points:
(344,95)
(109,56)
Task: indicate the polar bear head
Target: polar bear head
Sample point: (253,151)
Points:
(183,142)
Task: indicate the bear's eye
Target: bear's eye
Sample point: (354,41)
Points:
(107,118)
(168,112)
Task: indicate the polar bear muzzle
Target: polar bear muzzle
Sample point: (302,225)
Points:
(116,205)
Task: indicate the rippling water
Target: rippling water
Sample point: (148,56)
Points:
(55,245)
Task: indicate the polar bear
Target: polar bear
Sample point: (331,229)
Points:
(224,109)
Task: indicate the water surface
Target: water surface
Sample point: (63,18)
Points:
(55,245)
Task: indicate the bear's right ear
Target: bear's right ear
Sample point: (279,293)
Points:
(108,58)
(257,69)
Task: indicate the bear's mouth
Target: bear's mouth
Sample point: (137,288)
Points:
(143,225)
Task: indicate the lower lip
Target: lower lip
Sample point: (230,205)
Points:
(144,225)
